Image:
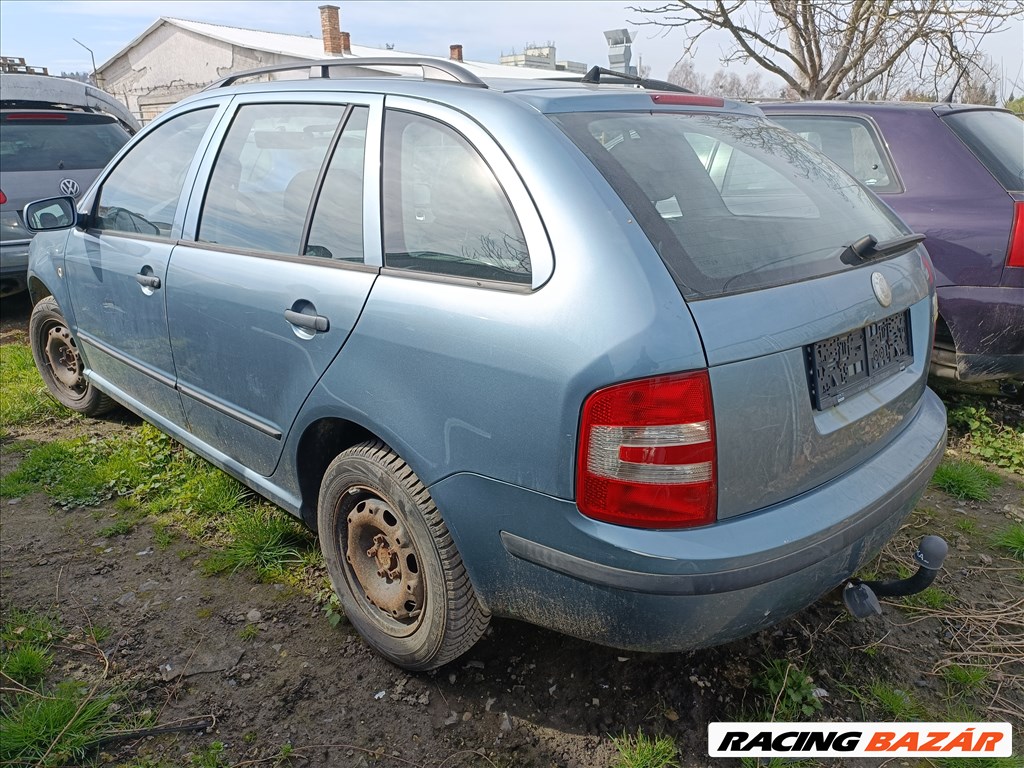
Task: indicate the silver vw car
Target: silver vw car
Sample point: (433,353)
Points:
(632,364)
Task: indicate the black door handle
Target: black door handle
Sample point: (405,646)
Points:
(147,281)
(317,323)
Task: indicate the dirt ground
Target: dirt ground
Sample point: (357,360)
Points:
(522,697)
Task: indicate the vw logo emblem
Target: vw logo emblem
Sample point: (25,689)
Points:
(881,288)
(69,187)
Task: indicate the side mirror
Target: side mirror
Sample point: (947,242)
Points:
(50,214)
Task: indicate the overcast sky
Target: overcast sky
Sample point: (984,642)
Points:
(41,31)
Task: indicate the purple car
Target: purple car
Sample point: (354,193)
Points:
(954,172)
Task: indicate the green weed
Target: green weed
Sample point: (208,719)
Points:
(896,703)
(261,539)
(29,627)
(1015,761)
(642,751)
(27,664)
(209,757)
(54,730)
(965,480)
(967,525)
(1012,540)
(999,444)
(248,632)
(932,599)
(119,528)
(961,680)
(790,690)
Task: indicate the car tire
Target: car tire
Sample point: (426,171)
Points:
(60,363)
(393,562)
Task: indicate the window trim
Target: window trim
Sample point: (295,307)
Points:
(538,245)
(871,125)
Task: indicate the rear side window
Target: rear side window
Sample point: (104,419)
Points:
(263,179)
(731,202)
(141,194)
(337,228)
(58,141)
(850,141)
(997,139)
(444,211)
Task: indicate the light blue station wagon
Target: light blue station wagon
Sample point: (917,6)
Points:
(635,365)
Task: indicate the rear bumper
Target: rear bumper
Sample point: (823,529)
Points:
(13,266)
(987,323)
(539,560)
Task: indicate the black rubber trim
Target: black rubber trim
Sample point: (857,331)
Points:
(260,426)
(122,358)
(714,582)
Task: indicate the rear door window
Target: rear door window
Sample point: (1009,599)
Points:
(731,202)
(850,141)
(264,176)
(997,139)
(58,141)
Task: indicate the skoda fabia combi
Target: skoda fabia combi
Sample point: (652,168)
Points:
(636,365)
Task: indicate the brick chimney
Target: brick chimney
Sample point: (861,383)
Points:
(455,52)
(330,27)
(346,43)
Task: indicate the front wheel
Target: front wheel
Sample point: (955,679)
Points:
(393,562)
(60,363)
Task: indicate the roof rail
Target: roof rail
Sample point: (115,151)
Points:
(594,77)
(322,69)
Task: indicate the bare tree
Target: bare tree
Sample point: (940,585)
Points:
(686,75)
(833,49)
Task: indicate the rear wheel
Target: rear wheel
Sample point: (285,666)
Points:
(60,363)
(393,562)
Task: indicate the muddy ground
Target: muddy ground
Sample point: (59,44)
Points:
(522,697)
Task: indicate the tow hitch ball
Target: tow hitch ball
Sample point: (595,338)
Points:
(861,597)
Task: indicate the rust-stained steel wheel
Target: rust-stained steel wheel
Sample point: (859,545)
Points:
(60,363)
(392,560)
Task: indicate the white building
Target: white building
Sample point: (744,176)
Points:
(174,58)
(542,57)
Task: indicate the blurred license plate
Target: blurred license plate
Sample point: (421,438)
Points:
(851,362)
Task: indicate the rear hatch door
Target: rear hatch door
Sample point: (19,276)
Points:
(817,352)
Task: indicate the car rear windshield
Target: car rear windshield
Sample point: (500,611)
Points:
(57,141)
(732,202)
(997,139)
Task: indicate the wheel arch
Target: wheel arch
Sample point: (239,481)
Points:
(320,443)
(37,290)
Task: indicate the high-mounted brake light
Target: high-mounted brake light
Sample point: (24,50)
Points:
(1015,256)
(36,116)
(647,453)
(688,99)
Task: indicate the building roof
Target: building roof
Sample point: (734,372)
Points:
(307,47)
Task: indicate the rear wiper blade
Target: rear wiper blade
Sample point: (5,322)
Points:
(868,248)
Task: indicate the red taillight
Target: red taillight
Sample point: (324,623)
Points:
(647,453)
(689,99)
(1015,256)
(3,197)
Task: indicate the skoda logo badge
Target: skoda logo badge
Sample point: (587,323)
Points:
(69,187)
(881,288)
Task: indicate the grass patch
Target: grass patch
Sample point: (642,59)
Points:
(23,397)
(965,480)
(961,680)
(790,690)
(27,664)
(967,525)
(248,632)
(120,528)
(985,438)
(897,704)
(979,762)
(932,599)
(642,751)
(1012,541)
(262,539)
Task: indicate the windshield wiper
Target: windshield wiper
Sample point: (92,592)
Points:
(868,248)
